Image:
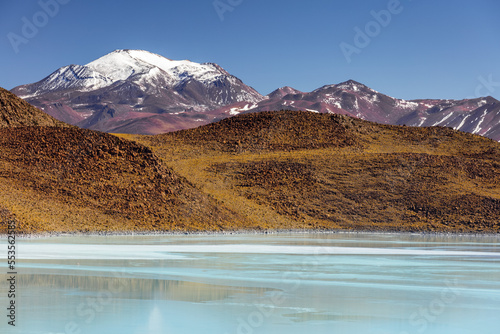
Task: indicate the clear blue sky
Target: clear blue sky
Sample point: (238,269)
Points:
(427,49)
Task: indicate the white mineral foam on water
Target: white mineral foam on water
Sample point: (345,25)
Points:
(67,251)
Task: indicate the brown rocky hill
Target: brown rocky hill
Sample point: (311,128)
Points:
(268,131)
(17,112)
(66,179)
(304,170)
(69,179)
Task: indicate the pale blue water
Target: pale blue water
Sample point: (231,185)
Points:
(287,283)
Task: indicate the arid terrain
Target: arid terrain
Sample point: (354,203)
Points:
(259,171)
(305,170)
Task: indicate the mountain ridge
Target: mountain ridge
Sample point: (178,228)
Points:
(136,91)
(479,115)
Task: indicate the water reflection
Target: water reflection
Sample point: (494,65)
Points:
(135,288)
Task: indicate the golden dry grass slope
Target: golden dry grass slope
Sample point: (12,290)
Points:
(302,170)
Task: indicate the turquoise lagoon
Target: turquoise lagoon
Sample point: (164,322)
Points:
(257,283)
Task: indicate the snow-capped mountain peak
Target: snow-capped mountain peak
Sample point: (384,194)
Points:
(136,91)
(146,69)
(122,64)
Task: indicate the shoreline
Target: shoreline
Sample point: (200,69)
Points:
(242,232)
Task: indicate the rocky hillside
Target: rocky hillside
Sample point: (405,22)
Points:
(16,112)
(269,131)
(259,171)
(308,170)
(60,179)
(69,179)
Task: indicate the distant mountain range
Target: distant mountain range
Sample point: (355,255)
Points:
(135,91)
(479,116)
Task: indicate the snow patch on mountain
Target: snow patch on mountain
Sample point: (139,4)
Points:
(354,86)
(406,104)
(462,123)
(441,121)
(478,128)
(238,110)
(482,103)
(371,98)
